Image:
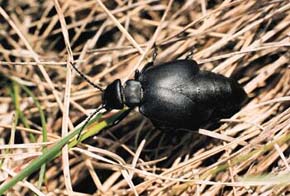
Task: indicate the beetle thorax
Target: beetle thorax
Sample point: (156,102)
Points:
(132,93)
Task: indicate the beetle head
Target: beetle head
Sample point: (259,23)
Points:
(113,96)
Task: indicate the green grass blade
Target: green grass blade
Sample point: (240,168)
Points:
(16,93)
(44,132)
(55,151)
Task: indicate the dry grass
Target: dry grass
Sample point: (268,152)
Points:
(246,39)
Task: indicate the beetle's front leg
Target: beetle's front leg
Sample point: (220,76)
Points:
(137,74)
(190,53)
(154,54)
(120,118)
(148,65)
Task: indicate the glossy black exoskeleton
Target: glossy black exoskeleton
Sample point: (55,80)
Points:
(177,95)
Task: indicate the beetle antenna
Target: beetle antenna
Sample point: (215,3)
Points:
(88,120)
(86,78)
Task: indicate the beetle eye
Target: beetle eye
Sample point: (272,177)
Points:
(113,96)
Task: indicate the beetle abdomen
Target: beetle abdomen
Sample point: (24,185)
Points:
(190,102)
(224,95)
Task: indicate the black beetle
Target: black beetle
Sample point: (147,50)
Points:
(177,95)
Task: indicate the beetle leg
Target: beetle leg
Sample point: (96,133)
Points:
(137,74)
(150,64)
(121,117)
(88,120)
(154,54)
(190,53)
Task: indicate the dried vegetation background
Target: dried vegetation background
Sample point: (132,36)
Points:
(245,39)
